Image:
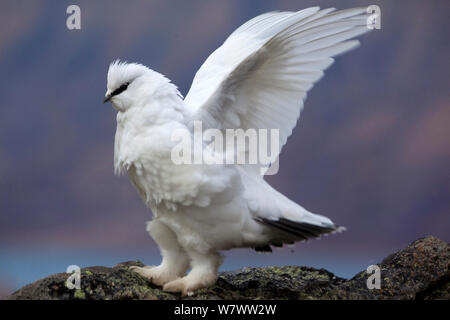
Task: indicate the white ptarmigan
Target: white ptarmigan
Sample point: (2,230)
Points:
(257,79)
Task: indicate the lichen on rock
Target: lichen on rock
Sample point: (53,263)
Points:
(421,271)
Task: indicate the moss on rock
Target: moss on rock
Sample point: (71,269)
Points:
(421,271)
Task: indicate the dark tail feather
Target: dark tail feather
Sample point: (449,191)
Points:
(300,230)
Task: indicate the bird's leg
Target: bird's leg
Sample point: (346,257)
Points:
(175,261)
(203,273)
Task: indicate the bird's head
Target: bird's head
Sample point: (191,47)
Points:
(126,83)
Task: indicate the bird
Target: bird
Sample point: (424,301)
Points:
(257,79)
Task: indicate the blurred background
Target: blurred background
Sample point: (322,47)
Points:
(371,150)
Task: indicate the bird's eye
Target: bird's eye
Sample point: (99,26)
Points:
(120,89)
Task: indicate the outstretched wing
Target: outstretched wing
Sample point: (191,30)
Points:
(261,74)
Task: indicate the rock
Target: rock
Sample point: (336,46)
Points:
(421,271)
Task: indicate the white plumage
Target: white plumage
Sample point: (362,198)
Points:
(257,79)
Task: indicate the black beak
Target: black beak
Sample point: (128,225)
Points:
(107,98)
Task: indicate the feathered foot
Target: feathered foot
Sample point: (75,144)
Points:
(190,283)
(158,275)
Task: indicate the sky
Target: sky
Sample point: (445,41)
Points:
(371,148)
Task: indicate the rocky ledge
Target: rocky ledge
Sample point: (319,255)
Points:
(421,271)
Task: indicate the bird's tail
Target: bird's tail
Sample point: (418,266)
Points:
(301,230)
(295,231)
(291,221)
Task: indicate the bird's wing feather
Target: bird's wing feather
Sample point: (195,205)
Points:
(261,74)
